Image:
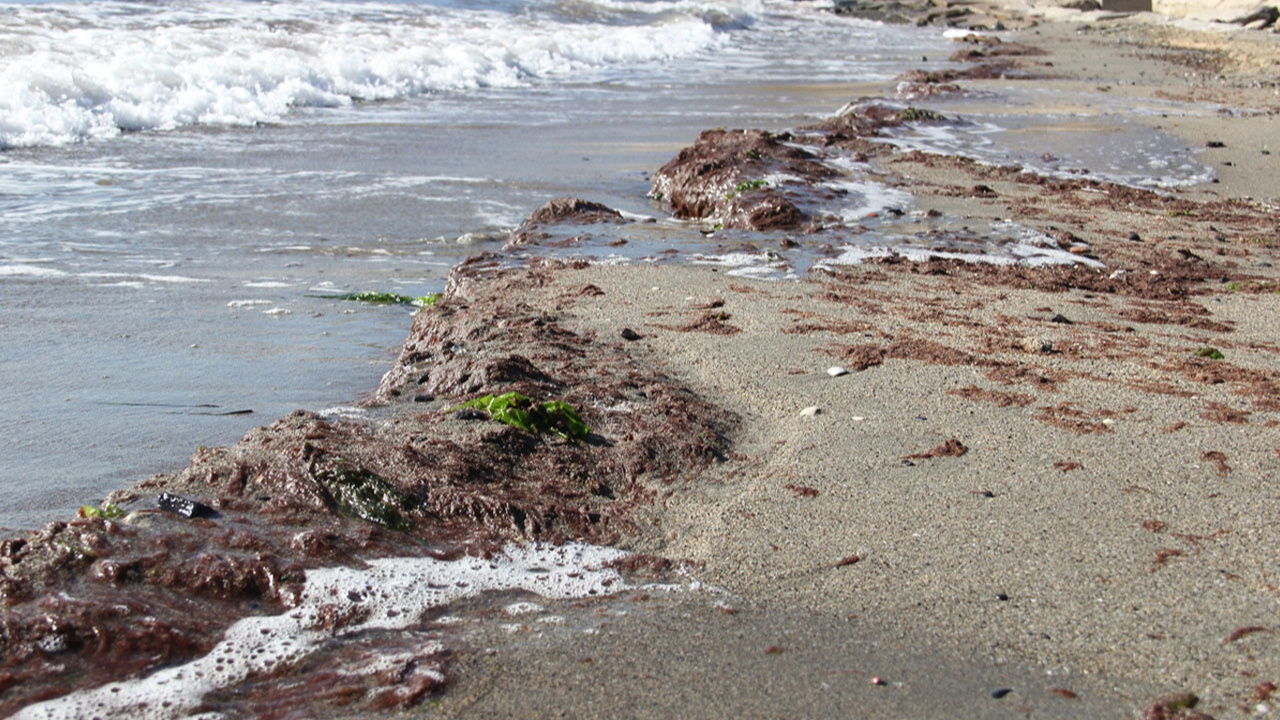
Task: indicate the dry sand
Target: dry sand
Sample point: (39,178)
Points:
(1108,535)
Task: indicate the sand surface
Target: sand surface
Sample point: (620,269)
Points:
(1102,534)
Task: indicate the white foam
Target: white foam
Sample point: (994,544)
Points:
(392,594)
(344,411)
(1007,244)
(247,303)
(147,277)
(81,71)
(523,608)
(870,199)
(29,271)
(762,265)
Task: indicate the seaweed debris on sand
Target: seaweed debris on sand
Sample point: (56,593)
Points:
(105,597)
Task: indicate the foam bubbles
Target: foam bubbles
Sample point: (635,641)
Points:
(72,72)
(389,594)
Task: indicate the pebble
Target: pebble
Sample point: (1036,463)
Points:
(629,334)
(1036,345)
(997,694)
(836,371)
(811,411)
(877,680)
(1060,319)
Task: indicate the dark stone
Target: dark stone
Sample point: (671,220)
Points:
(1060,318)
(184,507)
(470,414)
(629,334)
(1001,692)
(1215,144)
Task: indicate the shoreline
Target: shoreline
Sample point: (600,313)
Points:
(1085,496)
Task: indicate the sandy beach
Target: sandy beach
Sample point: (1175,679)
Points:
(1029,486)
(900,488)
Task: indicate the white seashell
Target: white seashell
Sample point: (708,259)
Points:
(810,411)
(836,371)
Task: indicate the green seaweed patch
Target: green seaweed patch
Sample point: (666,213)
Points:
(746,186)
(915,114)
(108,511)
(364,495)
(520,412)
(1210,352)
(383,298)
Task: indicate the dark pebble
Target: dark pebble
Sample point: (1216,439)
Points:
(1135,237)
(1215,144)
(629,334)
(997,694)
(1060,318)
(908,463)
(184,507)
(988,494)
(470,414)
(1002,597)
(423,398)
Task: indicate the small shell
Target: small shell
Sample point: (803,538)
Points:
(810,411)
(836,371)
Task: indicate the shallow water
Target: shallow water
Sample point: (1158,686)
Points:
(182,178)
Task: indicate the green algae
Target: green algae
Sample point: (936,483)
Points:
(364,495)
(915,114)
(520,412)
(384,298)
(108,511)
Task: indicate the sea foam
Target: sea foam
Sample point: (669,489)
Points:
(391,593)
(77,71)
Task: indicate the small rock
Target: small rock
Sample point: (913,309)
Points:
(1002,597)
(1215,144)
(470,414)
(811,411)
(629,334)
(836,371)
(1036,345)
(184,507)
(997,694)
(1135,237)
(877,680)
(1060,319)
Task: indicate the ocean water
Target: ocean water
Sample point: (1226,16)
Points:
(183,181)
